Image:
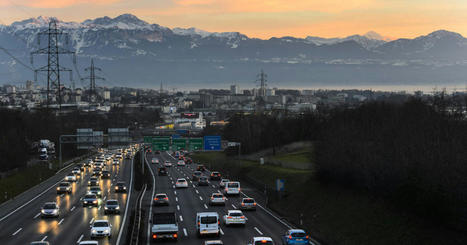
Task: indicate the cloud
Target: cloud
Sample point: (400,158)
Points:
(44,4)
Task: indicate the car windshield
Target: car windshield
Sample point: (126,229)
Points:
(112,203)
(236,214)
(209,220)
(90,197)
(161,196)
(95,189)
(64,184)
(233,185)
(217,196)
(197,173)
(120,184)
(181,180)
(50,206)
(203,178)
(248,200)
(100,224)
(298,234)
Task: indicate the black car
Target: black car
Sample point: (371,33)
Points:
(90,200)
(105,174)
(196,175)
(120,187)
(80,166)
(162,171)
(215,176)
(111,207)
(203,180)
(201,167)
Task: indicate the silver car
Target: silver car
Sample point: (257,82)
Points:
(50,209)
(111,206)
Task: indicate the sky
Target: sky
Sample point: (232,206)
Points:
(263,19)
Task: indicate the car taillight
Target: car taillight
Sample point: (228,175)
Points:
(175,235)
(223,198)
(254,204)
(154,236)
(166,198)
(307,237)
(243,204)
(229,217)
(199,223)
(155,199)
(212,198)
(242,217)
(226,189)
(264,241)
(290,237)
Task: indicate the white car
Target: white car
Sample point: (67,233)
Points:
(207,223)
(70,177)
(155,161)
(89,243)
(261,241)
(235,217)
(76,171)
(181,183)
(181,163)
(168,164)
(232,188)
(217,199)
(223,182)
(101,228)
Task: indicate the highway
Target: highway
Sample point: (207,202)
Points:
(187,202)
(73,225)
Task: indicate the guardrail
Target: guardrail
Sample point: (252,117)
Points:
(135,230)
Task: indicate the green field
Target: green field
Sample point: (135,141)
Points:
(333,214)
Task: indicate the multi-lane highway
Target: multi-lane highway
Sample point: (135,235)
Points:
(24,224)
(187,202)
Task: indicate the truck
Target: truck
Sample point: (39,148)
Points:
(164,226)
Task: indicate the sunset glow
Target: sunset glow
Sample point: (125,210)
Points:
(263,19)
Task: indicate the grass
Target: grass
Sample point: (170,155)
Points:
(335,214)
(303,156)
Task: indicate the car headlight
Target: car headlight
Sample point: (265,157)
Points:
(55,211)
(58,188)
(117,207)
(93,231)
(95,201)
(106,208)
(107,230)
(42,211)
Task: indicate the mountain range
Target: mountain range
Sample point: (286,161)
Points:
(135,53)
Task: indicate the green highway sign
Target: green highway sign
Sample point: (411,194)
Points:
(160,143)
(148,139)
(195,144)
(179,144)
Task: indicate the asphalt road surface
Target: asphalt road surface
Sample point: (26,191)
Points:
(73,225)
(187,202)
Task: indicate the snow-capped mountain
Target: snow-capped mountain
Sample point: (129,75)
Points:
(126,43)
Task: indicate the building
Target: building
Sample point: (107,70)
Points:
(234,89)
(29,85)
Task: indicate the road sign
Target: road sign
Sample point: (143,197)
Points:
(280,185)
(195,144)
(179,144)
(175,136)
(212,143)
(160,143)
(148,139)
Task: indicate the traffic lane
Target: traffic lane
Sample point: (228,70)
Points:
(262,222)
(78,228)
(32,225)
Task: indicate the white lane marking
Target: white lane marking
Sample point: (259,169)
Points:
(16,232)
(213,186)
(61,221)
(105,198)
(197,192)
(178,207)
(175,192)
(200,198)
(181,218)
(62,195)
(173,186)
(176,199)
(233,206)
(43,239)
(205,206)
(73,208)
(194,186)
(92,220)
(99,208)
(222,232)
(185,232)
(257,230)
(37,215)
(80,238)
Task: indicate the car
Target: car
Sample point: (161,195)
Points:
(105,174)
(207,223)
(201,168)
(90,200)
(80,167)
(223,182)
(88,163)
(215,175)
(50,209)
(232,188)
(248,204)
(64,187)
(70,177)
(188,160)
(196,175)
(203,181)
(234,217)
(295,236)
(181,163)
(95,190)
(161,199)
(76,171)
(101,228)
(90,242)
(261,241)
(96,173)
(162,171)
(93,181)
(120,187)
(181,183)
(217,199)
(168,164)
(111,206)
(155,161)
(213,242)
(116,162)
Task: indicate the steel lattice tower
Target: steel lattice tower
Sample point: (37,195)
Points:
(262,78)
(92,79)
(53,51)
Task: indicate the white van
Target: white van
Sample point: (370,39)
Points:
(232,188)
(207,223)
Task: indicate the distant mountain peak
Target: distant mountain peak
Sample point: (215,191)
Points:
(376,36)
(444,33)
